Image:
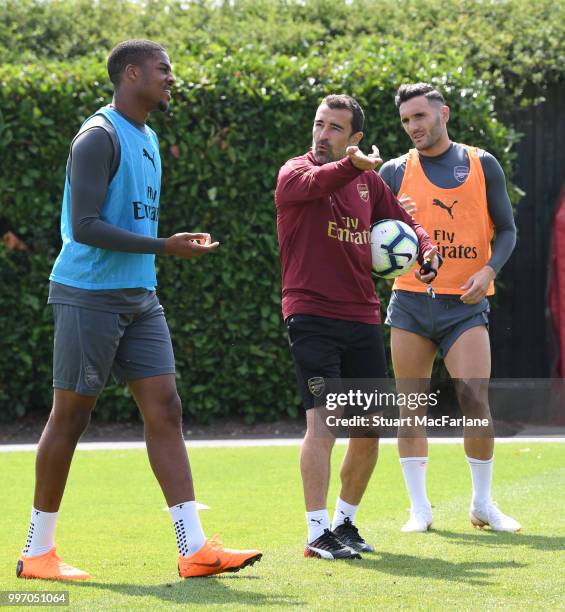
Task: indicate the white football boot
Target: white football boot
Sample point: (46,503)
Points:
(492,516)
(420,520)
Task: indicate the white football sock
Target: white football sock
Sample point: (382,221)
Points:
(342,511)
(414,470)
(41,534)
(188,529)
(481,475)
(317,521)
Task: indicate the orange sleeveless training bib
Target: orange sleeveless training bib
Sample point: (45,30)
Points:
(457,221)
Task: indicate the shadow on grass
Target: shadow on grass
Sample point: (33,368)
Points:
(423,567)
(209,590)
(497,538)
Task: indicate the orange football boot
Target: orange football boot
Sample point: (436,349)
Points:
(213,558)
(49,567)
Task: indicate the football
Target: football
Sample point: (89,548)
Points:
(394,248)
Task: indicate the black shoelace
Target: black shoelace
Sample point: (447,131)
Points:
(328,541)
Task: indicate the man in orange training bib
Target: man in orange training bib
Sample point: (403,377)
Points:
(458,194)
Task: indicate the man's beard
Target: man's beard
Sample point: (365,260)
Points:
(324,158)
(433,137)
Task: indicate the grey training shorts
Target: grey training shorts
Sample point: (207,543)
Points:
(91,344)
(441,319)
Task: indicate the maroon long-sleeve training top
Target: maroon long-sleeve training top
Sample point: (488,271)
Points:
(324,216)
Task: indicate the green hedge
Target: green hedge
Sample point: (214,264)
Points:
(509,43)
(235,119)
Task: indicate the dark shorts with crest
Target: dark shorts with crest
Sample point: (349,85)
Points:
(89,345)
(332,349)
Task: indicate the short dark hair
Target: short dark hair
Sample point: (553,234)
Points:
(349,103)
(135,51)
(406,92)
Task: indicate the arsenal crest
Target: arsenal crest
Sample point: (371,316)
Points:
(316,385)
(91,377)
(460,173)
(363,191)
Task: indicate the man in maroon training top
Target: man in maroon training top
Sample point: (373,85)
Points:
(326,201)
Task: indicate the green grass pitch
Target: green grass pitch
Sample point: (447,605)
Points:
(112,524)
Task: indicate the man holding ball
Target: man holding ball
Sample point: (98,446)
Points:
(326,201)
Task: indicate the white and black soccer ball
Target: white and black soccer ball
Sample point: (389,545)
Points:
(394,248)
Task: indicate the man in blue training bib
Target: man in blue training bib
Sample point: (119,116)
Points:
(108,318)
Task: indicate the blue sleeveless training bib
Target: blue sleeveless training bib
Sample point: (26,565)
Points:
(132,203)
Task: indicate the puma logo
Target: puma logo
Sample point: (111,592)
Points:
(319,521)
(151,158)
(439,203)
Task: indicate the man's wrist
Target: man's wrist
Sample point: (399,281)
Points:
(354,166)
(162,247)
(351,162)
(491,271)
